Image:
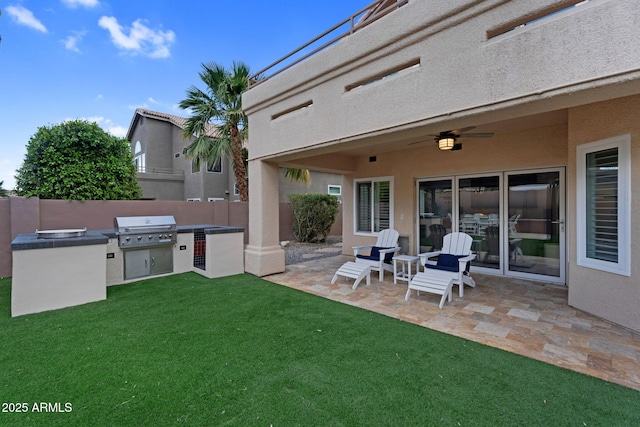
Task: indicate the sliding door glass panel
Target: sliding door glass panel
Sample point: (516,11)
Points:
(434,212)
(479,216)
(535,224)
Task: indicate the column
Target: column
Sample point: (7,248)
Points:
(263,255)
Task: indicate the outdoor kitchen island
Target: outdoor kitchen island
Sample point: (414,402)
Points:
(54,273)
(210,250)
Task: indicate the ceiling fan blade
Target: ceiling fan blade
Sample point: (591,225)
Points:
(459,131)
(476,135)
(456,147)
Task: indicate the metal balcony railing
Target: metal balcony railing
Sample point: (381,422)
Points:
(168,171)
(355,22)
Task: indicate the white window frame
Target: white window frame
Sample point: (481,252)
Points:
(193,199)
(355,204)
(334,187)
(623,265)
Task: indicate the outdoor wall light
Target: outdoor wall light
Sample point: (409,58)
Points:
(446,143)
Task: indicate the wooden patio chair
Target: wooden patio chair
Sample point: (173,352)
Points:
(454,260)
(380,254)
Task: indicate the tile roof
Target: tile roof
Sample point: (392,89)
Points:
(178,121)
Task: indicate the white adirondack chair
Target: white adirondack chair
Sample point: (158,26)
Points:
(380,254)
(456,248)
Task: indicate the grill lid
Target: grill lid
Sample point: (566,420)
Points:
(131,224)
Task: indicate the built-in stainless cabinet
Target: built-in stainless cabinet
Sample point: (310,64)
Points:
(148,262)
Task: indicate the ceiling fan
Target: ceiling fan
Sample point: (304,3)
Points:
(448,140)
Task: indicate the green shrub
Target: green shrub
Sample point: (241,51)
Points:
(313,216)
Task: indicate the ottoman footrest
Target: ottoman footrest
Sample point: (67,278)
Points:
(424,282)
(355,271)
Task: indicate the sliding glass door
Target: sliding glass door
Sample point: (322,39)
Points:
(479,216)
(516,220)
(435,212)
(535,238)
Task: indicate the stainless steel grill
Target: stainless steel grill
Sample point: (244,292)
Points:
(145,231)
(147,244)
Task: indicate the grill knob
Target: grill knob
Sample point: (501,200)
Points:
(170,235)
(139,237)
(150,237)
(128,239)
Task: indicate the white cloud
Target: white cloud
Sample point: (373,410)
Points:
(153,101)
(140,40)
(118,131)
(135,107)
(85,3)
(24,16)
(99,97)
(71,42)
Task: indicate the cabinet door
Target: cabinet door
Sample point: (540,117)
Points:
(136,264)
(161,260)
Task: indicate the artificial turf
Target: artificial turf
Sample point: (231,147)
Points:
(186,350)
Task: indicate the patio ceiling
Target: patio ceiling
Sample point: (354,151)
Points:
(341,154)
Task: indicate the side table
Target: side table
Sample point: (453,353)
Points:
(406,264)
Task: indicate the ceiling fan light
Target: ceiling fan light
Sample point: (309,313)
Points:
(446,143)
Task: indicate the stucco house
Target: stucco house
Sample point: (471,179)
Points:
(165,173)
(514,121)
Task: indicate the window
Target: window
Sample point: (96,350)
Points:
(193,199)
(214,167)
(373,205)
(236,189)
(604,210)
(195,166)
(335,190)
(139,157)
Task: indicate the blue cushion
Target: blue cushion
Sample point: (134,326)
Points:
(375,255)
(446,262)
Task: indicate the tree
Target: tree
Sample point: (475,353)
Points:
(313,216)
(77,160)
(3,192)
(221,105)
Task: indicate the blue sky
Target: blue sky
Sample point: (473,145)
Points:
(101,59)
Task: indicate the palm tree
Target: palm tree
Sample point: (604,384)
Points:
(220,105)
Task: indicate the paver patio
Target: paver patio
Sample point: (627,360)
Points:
(524,317)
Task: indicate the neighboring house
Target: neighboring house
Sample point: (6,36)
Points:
(548,182)
(165,173)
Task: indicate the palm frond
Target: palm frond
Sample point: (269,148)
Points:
(298,175)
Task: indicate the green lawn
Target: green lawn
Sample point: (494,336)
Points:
(241,351)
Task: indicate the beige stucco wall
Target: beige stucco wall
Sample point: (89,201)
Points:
(558,62)
(607,295)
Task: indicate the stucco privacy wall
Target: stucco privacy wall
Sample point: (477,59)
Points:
(461,73)
(533,148)
(608,295)
(18,215)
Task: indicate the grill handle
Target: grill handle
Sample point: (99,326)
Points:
(147,228)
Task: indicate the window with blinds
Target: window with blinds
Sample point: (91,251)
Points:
(603,185)
(373,205)
(601,225)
